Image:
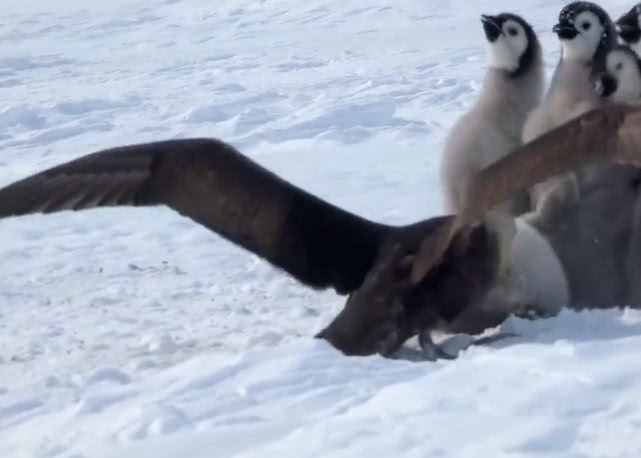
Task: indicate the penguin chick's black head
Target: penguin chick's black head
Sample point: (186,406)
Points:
(628,25)
(592,24)
(512,43)
(567,27)
(620,82)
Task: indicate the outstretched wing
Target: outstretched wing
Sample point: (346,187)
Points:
(210,182)
(606,135)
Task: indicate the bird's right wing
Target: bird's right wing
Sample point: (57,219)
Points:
(606,135)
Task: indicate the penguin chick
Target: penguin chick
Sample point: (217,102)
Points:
(586,33)
(620,83)
(512,87)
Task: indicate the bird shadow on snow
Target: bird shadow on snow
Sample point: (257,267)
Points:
(569,325)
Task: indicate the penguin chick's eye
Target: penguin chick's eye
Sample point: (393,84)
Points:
(586,26)
(512,31)
(619,66)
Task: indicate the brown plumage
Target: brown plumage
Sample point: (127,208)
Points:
(454,260)
(605,135)
(210,182)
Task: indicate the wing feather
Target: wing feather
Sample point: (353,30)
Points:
(210,182)
(606,135)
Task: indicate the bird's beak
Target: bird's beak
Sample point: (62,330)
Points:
(626,30)
(492,27)
(606,85)
(565,30)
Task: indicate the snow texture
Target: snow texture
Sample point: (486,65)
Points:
(135,332)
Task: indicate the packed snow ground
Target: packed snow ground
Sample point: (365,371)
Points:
(132,333)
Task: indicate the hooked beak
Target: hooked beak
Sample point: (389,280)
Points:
(605,85)
(491,27)
(565,30)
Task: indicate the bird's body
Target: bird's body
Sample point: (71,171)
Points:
(401,280)
(451,262)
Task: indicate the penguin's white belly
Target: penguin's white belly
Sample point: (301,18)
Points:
(536,270)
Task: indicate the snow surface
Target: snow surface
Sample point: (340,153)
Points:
(134,332)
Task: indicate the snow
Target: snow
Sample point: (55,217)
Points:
(134,332)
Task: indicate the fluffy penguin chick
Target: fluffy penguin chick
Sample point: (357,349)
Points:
(621,84)
(621,81)
(512,87)
(629,28)
(586,33)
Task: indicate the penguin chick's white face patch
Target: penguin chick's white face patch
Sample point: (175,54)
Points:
(586,42)
(625,70)
(506,51)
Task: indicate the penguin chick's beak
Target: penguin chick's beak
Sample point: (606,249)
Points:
(605,85)
(492,27)
(565,30)
(629,32)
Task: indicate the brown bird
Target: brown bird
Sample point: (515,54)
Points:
(210,182)
(402,280)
